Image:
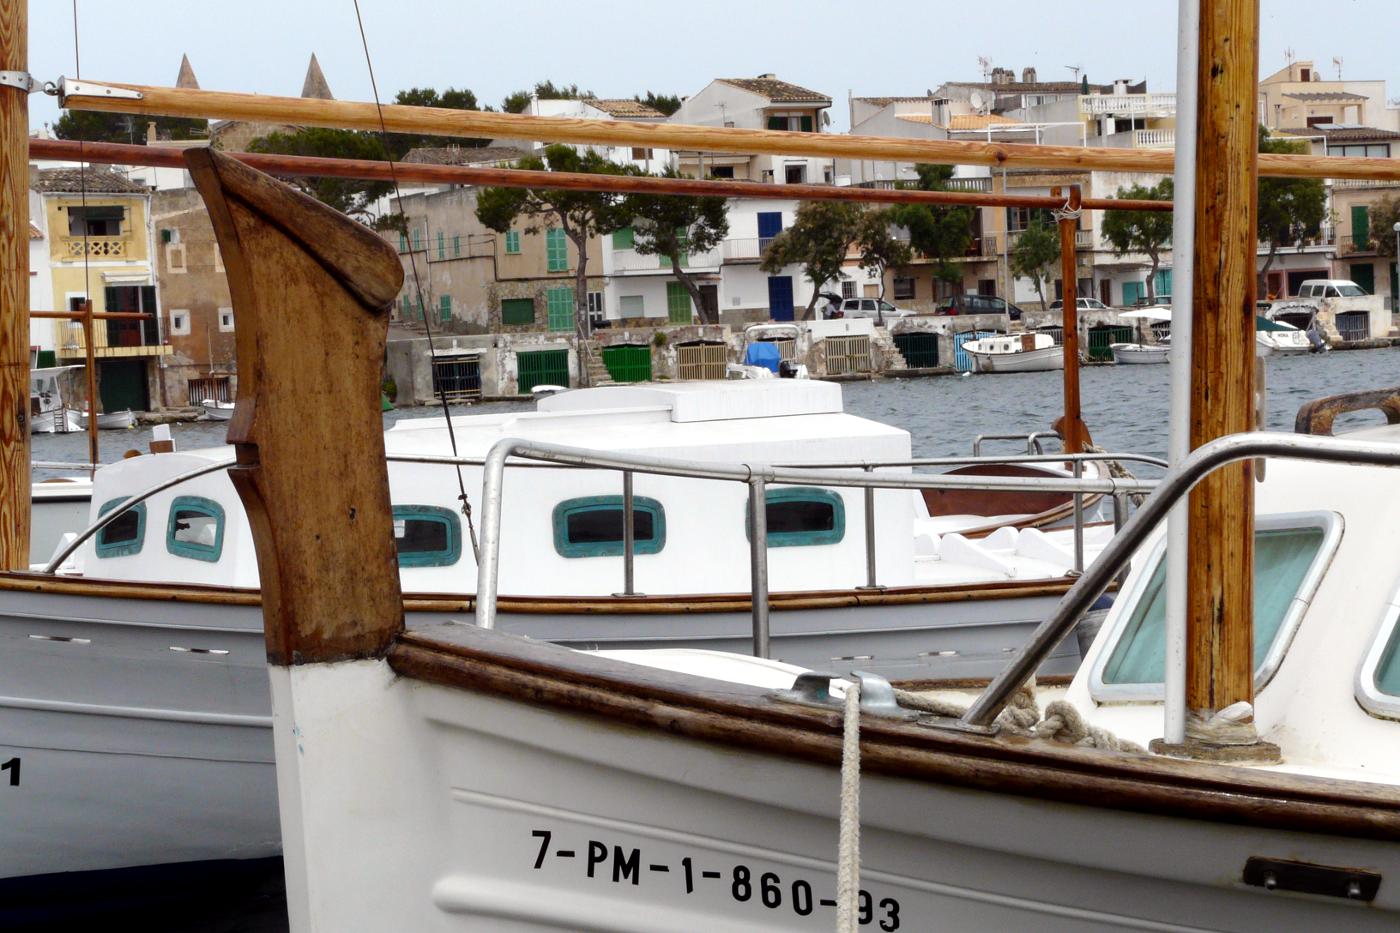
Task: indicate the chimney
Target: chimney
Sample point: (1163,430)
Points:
(769,76)
(1028,75)
(150,132)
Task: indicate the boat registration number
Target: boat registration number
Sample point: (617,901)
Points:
(622,865)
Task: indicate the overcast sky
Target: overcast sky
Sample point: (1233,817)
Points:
(869,48)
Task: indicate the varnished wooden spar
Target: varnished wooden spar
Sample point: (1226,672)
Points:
(14,291)
(1075,433)
(188,102)
(1220,566)
(312,292)
(314,166)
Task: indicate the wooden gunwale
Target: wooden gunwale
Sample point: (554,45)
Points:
(26,582)
(123,154)
(396,118)
(737,715)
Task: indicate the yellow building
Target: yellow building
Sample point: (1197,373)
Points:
(100,251)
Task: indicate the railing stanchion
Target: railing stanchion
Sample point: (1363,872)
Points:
(758,563)
(870,580)
(629,534)
(1078,520)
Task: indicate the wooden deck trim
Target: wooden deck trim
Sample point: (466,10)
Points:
(462,657)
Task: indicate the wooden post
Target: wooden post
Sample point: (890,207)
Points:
(1220,568)
(91,355)
(14,291)
(1075,434)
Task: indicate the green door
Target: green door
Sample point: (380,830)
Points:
(541,367)
(919,350)
(122,385)
(1360,226)
(1133,292)
(628,364)
(1100,339)
(678,304)
(1364,274)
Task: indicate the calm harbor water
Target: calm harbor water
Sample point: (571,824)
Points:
(1125,407)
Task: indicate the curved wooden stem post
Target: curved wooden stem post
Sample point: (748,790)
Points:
(1220,568)
(1075,433)
(14,291)
(312,291)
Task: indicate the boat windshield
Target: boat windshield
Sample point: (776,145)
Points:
(1282,558)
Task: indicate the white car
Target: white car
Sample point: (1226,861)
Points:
(872,308)
(1083,304)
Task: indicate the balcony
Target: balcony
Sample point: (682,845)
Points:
(1083,239)
(1139,105)
(629,260)
(113,339)
(98,247)
(1350,245)
(952,184)
(982,247)
(744,249)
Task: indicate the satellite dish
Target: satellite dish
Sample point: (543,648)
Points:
(978,100)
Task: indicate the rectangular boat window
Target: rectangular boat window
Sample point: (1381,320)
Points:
(800,516)
(1287,567)
(593,526)
(195,529)
(427,536)
(125,534)
(1387,677)
(1378,683)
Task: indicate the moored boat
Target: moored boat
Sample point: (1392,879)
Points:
(1015,353)
(215,410)
(113,421)
(1139,354)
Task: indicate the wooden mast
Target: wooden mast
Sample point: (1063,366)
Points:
(1075,434)
(91,354)
(14,291)
(1220,566)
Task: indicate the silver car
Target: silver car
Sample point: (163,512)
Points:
(873,308)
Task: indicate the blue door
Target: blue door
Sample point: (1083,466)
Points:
(770,224)
(962,362)
(780,297)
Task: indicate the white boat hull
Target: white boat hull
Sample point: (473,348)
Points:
(508,815)
(1022,361)
(217,411)
(116,420)
(1137,354)
(57,421)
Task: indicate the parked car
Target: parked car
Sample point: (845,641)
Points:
(978,304)
(1330,288)
(872,308)
(1083,304)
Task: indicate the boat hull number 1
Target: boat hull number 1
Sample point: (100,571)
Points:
(12,766)
(619,865)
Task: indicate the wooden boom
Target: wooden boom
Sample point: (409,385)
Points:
(399,118)
(378,170)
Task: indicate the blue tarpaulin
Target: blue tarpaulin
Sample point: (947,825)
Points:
(762,354)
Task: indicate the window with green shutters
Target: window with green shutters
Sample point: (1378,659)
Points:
(678,304)
(624,238)
(684,237)
(417,239)
(1360,226)
(512,242)
(403,307)
(403,242)
(445,308)
(559,302)
(442,245)
(518,311)
(556,250)
(456,245)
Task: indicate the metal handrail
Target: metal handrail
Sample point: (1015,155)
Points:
(965,461)
(1177,483)
(758,477)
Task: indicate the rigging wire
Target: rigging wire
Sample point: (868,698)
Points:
(417,282)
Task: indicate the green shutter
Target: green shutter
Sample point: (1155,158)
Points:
(445,308)
(456,245)
(560,305)
(518,311)
(777,123)
(403,242)
(541,367)
(556,248)
(678,303)
(628,363)
(417,239)
(512,242)
(683,235)
(442,245)
(806,124)
(1360,226)
(403,307)
(624,238)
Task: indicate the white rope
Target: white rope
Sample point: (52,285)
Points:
(848,851)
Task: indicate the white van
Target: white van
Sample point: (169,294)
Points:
(1330,288)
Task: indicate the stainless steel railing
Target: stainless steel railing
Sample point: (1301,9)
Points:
(758,477)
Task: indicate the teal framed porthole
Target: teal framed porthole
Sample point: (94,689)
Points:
(195,529)
(592,526)
(801,516)
(123,535)
(427,536)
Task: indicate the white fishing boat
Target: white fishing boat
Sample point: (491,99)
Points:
(1282,339)
(1140,354)
(215,410)
(572,764)
(48,412)
(113,421)
(1015,353)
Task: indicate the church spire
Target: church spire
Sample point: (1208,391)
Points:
(315,84)
(186,78)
